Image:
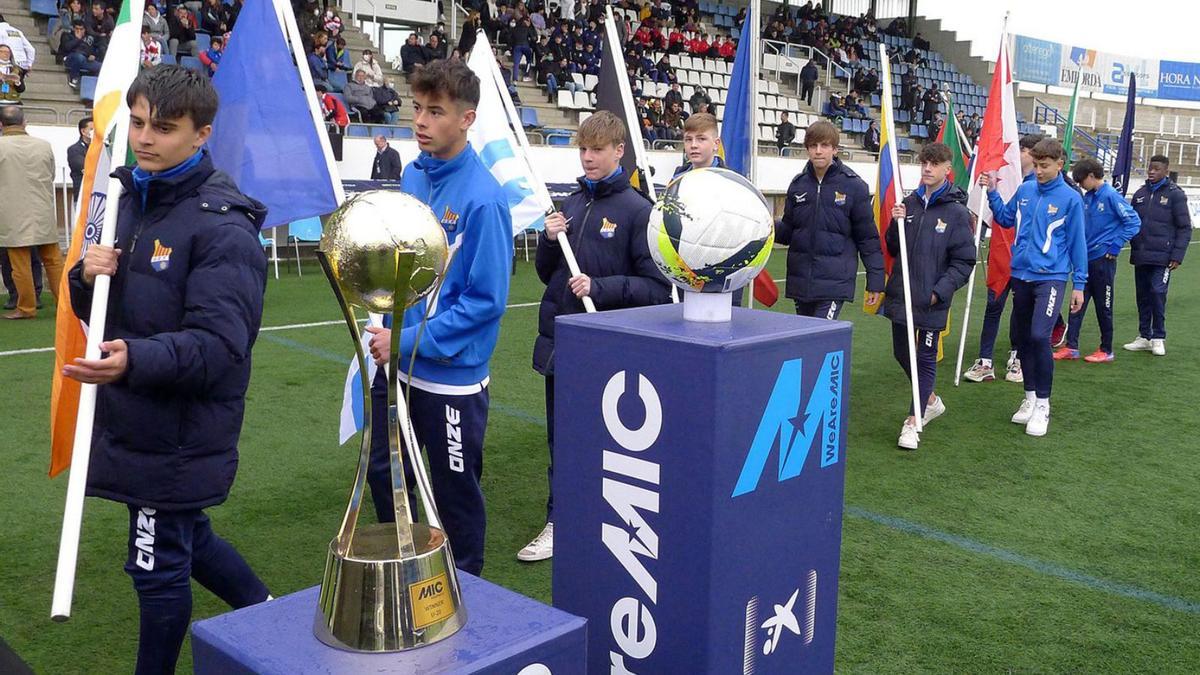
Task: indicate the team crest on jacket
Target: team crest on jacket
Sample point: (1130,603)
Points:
(607,228)
(941,226)
(449,220)
(1100,207)
(161,258)
(1051,209)
(839,198)
(1162,200)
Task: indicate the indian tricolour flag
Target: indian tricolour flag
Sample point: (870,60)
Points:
(121,64)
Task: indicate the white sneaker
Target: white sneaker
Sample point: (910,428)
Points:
(541,548)
(980,371)
(1039,421)
(1013,373)
(933,410)
(1023,413)
(1139,345)
(909,438)
(1158,347)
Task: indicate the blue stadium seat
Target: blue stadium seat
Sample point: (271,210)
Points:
(875,100)
(44,7)
(848,125)
(51,25)
(529,118)
(337,80)
(902,116)
(403,133)
(167,59)
(358,131)
(87,87)
(192,63)
(558,137)
(203,42)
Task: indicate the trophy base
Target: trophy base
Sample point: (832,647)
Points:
(373,601)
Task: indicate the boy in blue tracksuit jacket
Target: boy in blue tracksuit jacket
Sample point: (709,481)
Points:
(448,390)
(188,275)
(1050,246)
(1156,251)
(1111,222)
(941,253)
(605,221)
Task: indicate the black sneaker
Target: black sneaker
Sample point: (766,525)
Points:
(74,84)
(11,303)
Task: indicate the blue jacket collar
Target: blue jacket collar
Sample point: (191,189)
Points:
(1047,187)
(439,170)
(613,182)
(1154,186)
(1032,175)
(942,189)
(180,174)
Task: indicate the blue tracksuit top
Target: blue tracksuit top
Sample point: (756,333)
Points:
(1050,242)
(461,334)
(1111,221)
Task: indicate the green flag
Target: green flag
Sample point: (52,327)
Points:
(1069,134)
(951,135)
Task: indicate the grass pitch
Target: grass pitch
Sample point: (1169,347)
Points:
(985,551)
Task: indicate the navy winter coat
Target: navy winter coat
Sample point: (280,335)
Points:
(825,223)
(607,231)
(187,298)
(1166,224)
(941,252)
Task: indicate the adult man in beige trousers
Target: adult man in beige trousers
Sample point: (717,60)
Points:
(27,220)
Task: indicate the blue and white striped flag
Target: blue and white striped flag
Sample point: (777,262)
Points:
(352,398)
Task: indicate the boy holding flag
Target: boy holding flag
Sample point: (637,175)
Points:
(1050,246)
(1110,223)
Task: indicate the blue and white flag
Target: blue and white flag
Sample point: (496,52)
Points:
(499,138)
(264,134)
(352,395)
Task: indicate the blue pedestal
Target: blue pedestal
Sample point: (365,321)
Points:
(505,633)
(698,485)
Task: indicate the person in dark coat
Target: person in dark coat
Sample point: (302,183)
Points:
(827,220)
(1157,250)
(941,252)
(785,133)
(411,54)
(808,81)
(605,220)
(387,165)
(466,39)
(188,277)
(77,153)
(931,99)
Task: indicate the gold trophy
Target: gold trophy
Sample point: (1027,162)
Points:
(387,587)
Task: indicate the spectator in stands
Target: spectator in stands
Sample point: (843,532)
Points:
(908,89)
(674,95)
(785,133)
(728,50)
(211,57)
(71,12)
(591,61)
(808,81)
(836,109)
(591,36)
(857,81)
(387,164)
(79,54)
(12,78)
(214,20)
(233,11)
(435,50)
(648,132)
(440,31)
(932,99)
(370,67)
(183,32)
(521,38)
(99,27)
(318,66)
(508,82)
(897,28)
(387,102)
(699,96)
(871,139)
(470,29)
(870,83)
(913,58)
(151,49)
(854,106)
(676,42)
(22,52)
(411,54)
(160,30)
(919,42)
(918,96)
(699,46)
(360,99)
(77,153)
(331,22)
(338,56)
(335,114)
(672,123)
(558,76)
(558,48)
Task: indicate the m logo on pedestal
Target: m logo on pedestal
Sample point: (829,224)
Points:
(797,428)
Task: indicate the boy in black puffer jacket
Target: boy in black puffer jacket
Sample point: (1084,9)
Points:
(188,276)
(941,252)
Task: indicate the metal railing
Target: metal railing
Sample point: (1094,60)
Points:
(40,110)
(1098,146)
(789,50)
(374,21)
(1186,153)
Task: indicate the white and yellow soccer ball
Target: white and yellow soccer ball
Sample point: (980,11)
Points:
(711,231)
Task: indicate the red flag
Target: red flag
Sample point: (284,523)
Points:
(1000,151)
(765,290)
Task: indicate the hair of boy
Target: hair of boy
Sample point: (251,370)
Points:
(451,80)
(821,131)
(934,153)
(1030,140)
(172,92)
(1047,148)
(699,123)
(601,129)
(84,122)
(1088,166)
(1160,159)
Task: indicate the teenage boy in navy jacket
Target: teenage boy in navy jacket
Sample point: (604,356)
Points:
(1051,245)
(1157,250)
(188,276)
(605,221)
(826,220)
(1110,223)
(448,390)
(941,252)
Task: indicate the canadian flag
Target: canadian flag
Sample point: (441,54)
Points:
(998,150)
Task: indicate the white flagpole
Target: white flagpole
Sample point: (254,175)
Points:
(752,165)
(81,450)
(539,185)
(890,120)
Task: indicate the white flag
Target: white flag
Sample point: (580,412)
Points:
(499,138)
